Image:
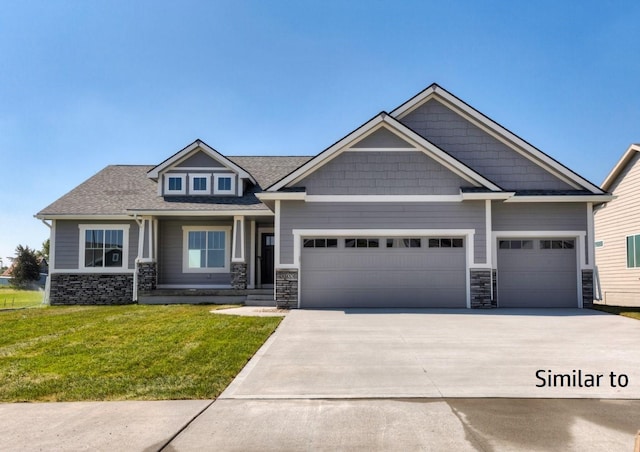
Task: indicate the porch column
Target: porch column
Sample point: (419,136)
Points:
(238,258)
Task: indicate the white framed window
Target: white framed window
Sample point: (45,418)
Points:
(633,251)
(104,248)
(200,184)
(224,184)
(206,249)
(175,184)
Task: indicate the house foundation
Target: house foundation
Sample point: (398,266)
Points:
(91,289)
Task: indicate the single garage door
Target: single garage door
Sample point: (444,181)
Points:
(383,272)
(538,273)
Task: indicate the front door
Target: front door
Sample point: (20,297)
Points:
(266,258)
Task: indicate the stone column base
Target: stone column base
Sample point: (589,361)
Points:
(239,275)
(587,288)
(286,288)
(480,288)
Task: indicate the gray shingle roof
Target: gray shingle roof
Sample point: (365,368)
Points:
(119,188)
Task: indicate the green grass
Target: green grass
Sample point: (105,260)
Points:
(632,312)
(124,352)
(11,298)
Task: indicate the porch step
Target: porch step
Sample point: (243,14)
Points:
(260,299)
(191,299)
(250,297)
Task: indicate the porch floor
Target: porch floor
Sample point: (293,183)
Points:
(247,297)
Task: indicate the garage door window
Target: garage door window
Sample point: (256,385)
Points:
(557,244)
(445,243)
(404,243)
(320,243)
(362,243)
(516,244)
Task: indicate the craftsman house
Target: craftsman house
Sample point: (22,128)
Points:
(430,205)
(617,236)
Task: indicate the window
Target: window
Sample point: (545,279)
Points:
(200,184)
(633,251)
(362,243)
(104,247)
(516,244)
(557,244)
(206,249)
(224,184)
(446,243)
(320,243)
(175,184)
(404,243)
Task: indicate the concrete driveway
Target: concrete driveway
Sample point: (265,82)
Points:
(431,380)
(445,353)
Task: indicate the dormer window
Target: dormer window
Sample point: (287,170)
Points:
(224,184)
(175,184)
(200,184)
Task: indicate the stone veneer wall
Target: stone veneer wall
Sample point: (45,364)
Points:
(587,288)
(90,289)
(286,288)
(238,275)
(481,289)
(147,276)
(494,284)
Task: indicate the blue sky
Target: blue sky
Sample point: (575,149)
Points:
(85,84)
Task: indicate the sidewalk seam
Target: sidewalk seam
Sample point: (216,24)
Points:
(185,426)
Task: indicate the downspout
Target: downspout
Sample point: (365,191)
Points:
(47,283)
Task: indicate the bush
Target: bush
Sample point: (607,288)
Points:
(25,271)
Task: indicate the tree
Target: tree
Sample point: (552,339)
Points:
(25,269)
(44,252)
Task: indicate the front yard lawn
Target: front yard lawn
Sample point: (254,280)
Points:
(12,298)
(124,352)
(632,312)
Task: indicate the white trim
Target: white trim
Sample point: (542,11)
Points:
(97,271)
(409,149)
(182,177)
(186,152)
(83,227)
(590,242)
(497,131)
(484,196)
(383,198)
(252,254)
(238,223)
(192,177)
(403,132)
(155,237)
(198,213)
(185,249)
(141,231)
(468,234)
(217,177)
(52,246)
(85,217)
(561,198)
(488,225)
(284,195)
(620,165)
(276,234)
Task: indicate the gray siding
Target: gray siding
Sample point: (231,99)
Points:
(382,138)
(200,160)
(170,254)
(441,215)
(539,216)
(613,223)
(383,173)
(67,242)
(479,150)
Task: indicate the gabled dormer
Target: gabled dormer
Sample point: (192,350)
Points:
(199,170)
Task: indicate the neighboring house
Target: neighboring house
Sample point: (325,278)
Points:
(617,236)
(431,205)
(6,276)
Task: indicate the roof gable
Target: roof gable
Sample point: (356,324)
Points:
(618,169)
(435,92)
(383,125)
(197,152)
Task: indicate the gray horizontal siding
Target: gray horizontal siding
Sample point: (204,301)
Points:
(479,150)
(67,242)
(539,216)
(382,138)
(200,160)
(443,215)
(170,253)
(383,173)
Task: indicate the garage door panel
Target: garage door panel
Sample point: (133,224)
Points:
(537,277)
(383,277)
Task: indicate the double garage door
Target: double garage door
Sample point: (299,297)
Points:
(383,272)
(537,273)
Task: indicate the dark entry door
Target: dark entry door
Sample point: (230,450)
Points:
(266,260)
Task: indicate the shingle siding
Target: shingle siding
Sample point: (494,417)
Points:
(613,223)
(441,215)
(479,150)
(383,173)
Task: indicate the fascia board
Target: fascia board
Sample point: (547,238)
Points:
(201,213)
(272,196)
(326,155)
(494,128)
(619,167)
(487,196)
(83,217)
(562,198)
